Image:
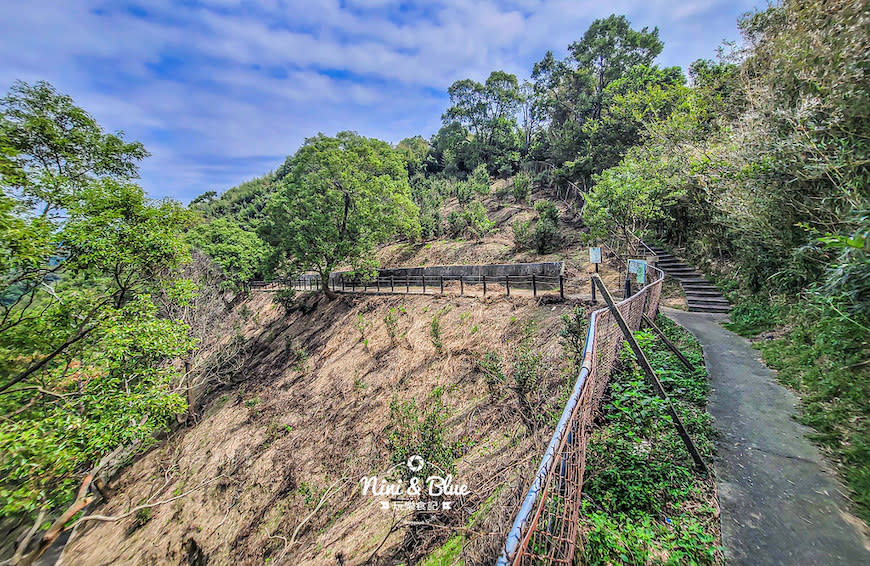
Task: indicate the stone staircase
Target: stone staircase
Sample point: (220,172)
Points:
(701,295)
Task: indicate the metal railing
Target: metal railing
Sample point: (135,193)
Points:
(545,530)
(468,285)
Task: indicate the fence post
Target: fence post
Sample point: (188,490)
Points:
(461,285)
(353,285)
(424,284)
(342,283)
(392,285)
(407,285)
(379,283)
(441,278)
(534,286)
(507,284)
(652,379)
(366,286)
(562,286)
(484,285)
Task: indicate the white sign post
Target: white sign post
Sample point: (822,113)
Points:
(594,259)
(595,256)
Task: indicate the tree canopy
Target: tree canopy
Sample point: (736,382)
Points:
(341,197)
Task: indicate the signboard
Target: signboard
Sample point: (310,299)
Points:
(638,267)
(594,255)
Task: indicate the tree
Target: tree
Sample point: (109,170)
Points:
(573,92)
(414,151)
(623,203)
(609,48)
(60,147)
(239,253)
(341,197)
(489,113)
(83,350)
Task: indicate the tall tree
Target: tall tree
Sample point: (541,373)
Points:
(83,351)
(489,112)
(572,92)
(340,198)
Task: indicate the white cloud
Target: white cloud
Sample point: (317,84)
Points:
(220,91)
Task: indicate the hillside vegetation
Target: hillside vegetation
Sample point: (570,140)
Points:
(122,318)
(333,391)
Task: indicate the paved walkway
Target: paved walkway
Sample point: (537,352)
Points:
(781,502)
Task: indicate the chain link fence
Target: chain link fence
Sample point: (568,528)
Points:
(545,530)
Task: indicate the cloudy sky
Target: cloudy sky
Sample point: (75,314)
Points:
(222,91)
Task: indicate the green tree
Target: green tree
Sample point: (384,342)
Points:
(489,112)
(59,146)
(83,350)
(239,253)
(623,203)
(341,197)
(570,93)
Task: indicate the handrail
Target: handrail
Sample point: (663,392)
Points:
(571,183)
(522,528)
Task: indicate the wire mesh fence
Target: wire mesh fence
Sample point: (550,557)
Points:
(545,530)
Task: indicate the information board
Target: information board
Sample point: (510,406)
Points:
(594,255)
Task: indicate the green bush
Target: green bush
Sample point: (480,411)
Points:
(643,502)
(522,233)
(546,236)
(491,367)
(415,431)
(522,187)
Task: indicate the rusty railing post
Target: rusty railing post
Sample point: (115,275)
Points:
(534,286)
(651,375)
(484,285)
(507,284)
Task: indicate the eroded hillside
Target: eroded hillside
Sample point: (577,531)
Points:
(325,396)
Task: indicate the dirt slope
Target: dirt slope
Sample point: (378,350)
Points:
(311,410)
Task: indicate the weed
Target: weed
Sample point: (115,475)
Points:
(435,333)
(491,367)
(361,325)
(391,321)
(252,402)
(573,333)
(301,357)
(641,480)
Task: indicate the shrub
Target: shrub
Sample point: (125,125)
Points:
(547,210)
(546,236)
(415,431)
(477,221)
(480,180)
(435,332)
(522,187)
(522,233)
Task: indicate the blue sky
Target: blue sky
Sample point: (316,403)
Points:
(220,91)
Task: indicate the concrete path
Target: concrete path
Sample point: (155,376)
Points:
(781,502)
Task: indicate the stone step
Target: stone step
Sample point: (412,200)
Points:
(707,301)
(722,309)
(701,304)
(703,293)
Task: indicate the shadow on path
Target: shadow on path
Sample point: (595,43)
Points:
(781,502)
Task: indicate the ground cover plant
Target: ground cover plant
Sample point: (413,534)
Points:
(643,501)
